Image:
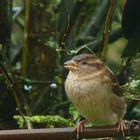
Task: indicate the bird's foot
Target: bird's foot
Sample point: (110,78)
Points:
(121,127)
(79,128)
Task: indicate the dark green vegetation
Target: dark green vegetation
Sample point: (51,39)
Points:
(37,37)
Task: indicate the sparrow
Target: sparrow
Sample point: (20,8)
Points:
(94,91)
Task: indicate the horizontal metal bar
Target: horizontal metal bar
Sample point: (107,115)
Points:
(63,133)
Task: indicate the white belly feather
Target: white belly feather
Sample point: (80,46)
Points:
(96,104)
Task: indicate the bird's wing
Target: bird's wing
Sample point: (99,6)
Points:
(115,86)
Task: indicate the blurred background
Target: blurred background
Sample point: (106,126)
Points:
(38,36)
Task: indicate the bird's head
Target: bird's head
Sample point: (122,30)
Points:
(84,63)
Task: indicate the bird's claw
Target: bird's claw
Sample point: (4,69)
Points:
(121,128)
(80,128)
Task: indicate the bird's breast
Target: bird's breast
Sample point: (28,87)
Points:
(92,99)
(79,88)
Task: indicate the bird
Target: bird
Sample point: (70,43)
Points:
(94,91)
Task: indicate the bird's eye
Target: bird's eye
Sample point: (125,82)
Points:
(84,62)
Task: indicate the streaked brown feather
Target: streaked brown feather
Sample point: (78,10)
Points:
(115,86)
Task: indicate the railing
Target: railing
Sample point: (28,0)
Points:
(63,133)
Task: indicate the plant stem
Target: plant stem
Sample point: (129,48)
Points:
(107,29)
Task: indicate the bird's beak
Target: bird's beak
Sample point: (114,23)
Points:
(71,65)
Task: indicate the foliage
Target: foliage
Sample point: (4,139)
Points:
(134,86)
(49,120)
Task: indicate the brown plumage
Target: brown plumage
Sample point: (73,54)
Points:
(93,89)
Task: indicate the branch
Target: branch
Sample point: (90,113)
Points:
(25,54)
(97,20)
(26,80)
(63,133)
(39,102)
(107,29)
(9,75)
(97,44)
(69,17)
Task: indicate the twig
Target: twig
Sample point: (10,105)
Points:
(107,29)
(12,82)
(25,54)
(97,20)
(17,10)
(25,80)
(39,101)
(70,17)
(96,44)
(61,105)
(8,74)
(13,90)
